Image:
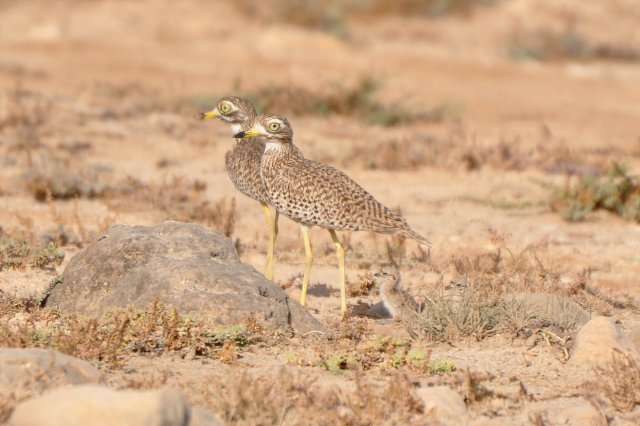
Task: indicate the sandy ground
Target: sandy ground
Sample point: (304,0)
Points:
(122,78)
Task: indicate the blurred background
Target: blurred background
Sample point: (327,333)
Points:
(484,120)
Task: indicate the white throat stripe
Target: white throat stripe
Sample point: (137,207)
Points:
(236,128)
(273,146)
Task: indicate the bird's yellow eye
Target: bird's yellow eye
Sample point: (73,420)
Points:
(224,108)
(274,127)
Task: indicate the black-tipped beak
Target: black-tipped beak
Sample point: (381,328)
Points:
(240,135)
(200,116)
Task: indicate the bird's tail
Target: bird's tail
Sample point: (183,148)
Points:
(419,238)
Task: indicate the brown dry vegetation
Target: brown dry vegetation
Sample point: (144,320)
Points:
(498,128)
(17,253)
(619,382)
(287,397)
(118,333)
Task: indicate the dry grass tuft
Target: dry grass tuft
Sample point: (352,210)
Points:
(320,15)
(470,385)
(108,339)
(356,329)
(18,254)
(591,298)
(568,43)
(511,153)
(460,151)
(332,16)
(23,119)
(363,286)
(382,354)
(478,303)
(618,381)
(474,313)
(288,398)
(429,8)
(145,380)
(57,178)
(395,154)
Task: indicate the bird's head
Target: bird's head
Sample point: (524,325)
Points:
(273,128)
(387,278)
(236,112)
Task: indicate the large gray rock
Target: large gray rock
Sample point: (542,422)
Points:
(196,270)
(100,406)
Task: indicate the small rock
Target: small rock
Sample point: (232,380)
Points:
(33,371)
(98,406)
(202,417)
(596,341)
(583,414)
(346,414)
(634,336)
(447,405)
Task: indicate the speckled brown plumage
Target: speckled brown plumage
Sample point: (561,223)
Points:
(243,161)
(313,193)
(243,168)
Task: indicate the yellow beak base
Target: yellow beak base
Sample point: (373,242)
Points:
(252,133)
(209,114)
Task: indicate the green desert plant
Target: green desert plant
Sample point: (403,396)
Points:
(441,366)
(617,192)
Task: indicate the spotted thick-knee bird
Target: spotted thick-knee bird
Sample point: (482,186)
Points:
(313,193)
(243,161)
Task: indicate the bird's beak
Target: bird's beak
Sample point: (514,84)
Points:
(252,133)
(209,114)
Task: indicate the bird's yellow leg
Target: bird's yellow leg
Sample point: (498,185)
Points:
(272,223)
(272,242)
(343,287)
(308,261)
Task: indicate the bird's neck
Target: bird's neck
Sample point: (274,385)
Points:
(387,287)
(237,128)
(278,156)
(279,147)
